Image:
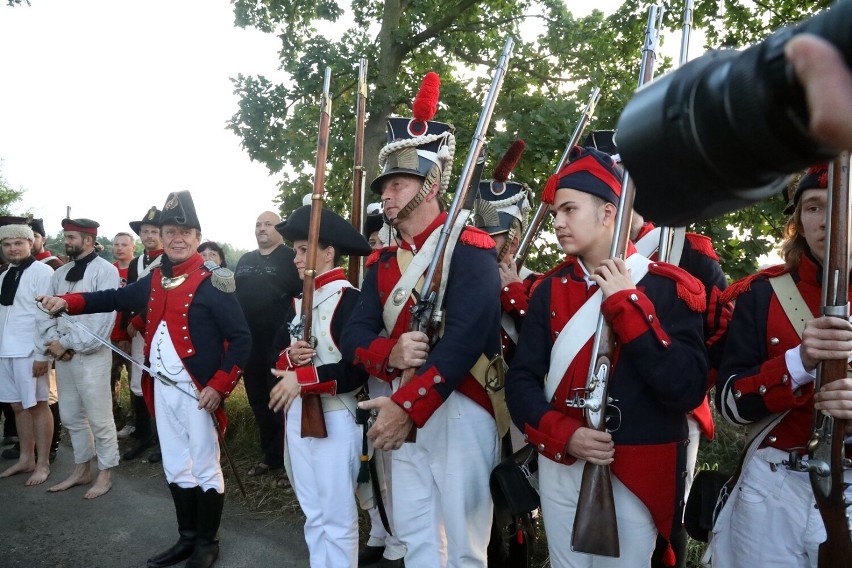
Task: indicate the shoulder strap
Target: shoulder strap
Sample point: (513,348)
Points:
(581,327)
(411,273)
(791,300)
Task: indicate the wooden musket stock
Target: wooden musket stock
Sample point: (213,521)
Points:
(595,525)
(826,447)
(313,421)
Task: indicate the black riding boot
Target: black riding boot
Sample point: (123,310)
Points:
(186,508)
(210,505)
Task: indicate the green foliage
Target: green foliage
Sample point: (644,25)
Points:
(557,61)
(8,195)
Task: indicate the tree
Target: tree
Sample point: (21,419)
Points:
(8,195)
(558,59)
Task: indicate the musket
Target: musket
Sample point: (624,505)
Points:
(827,462)
(595,525)
(313,420)
(671,235)
(534,227)
(427,313)
(169,382)
(356,263)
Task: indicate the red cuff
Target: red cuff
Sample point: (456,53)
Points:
(552,436)
(630,314)
(327,387)
(284,363)
(306,375)
(515,299)
(419,398)
(76,303)
(225,382)
(375,359)
(773,383)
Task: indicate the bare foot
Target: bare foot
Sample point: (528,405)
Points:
(19,467)
(39,476)
(80,476)
(102,484)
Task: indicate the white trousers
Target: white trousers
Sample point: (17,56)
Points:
(188,439)
(772,520)
(85,403)
(442,503)
(560,489)
(691,452)
(137,352)
(325,471)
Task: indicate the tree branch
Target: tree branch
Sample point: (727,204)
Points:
(443,23)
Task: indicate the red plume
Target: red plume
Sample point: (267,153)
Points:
(509,161)
(426,102)
(821,172)
(548,194)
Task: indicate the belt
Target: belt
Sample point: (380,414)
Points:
(334,403)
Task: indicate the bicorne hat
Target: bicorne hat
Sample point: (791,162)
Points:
(152,217)
(418,146)
(179,210)
(334,229)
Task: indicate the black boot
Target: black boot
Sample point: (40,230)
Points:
(144,434)
(210,505)
(186,508)
(57,426)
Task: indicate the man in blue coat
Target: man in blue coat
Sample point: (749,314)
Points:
(197,338)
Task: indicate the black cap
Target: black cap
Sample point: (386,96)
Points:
(334,229)
(180,210)
(152,217)
(12,220)
(81,225)
(603,141)
(37,225)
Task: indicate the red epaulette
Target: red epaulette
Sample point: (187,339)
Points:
(689,288)
(376,255)
(702,244)
(477,238)
(549,273)
(744,284)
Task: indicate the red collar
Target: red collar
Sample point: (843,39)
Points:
(647,227)
(809,270)
(43,254)
(420,240)
(192,263)
(153,254)
(327,277)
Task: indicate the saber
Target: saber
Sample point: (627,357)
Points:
(164,380)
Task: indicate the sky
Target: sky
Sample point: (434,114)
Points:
(107,106)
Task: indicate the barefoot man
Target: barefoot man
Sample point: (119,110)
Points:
(23,361)
(82,363)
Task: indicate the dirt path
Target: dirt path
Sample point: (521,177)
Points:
(127,525)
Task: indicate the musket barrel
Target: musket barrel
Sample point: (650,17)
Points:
(538,218)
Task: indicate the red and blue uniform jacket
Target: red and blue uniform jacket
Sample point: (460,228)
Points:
(472,325)
(515,301)
(754,381)
(702,262)
(660,374)
(207,326)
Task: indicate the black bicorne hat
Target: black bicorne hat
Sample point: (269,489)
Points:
(152,217)
(37,225)
(603,141)
(334,229)
(180,210)
(374,220)
(418,145)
